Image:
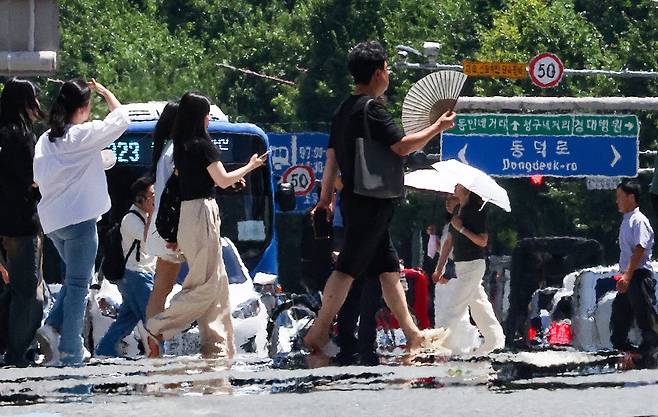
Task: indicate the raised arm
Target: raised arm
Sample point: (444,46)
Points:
(417,141)
(225,179)
(110,99)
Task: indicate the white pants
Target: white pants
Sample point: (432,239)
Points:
(468,292)
(464,337)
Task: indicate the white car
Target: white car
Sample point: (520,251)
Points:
(248,313)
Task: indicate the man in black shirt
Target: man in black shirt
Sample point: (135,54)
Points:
(367,250)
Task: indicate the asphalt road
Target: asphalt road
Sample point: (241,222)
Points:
(545,383)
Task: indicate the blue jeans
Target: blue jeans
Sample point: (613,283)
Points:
(135,288)
(77,245)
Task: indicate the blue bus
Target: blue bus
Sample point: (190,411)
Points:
(247,214)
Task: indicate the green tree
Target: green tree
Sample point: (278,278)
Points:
(128,49)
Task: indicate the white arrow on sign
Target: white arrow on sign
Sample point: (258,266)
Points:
(461,155)
(629,126)
(616,154)
(515,125)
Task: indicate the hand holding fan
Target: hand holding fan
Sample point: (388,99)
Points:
(429,98)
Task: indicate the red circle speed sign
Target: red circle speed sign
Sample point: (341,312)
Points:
(301,177)
(546,70)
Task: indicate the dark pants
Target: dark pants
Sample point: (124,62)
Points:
(363,301)
(638,303)
(21,301)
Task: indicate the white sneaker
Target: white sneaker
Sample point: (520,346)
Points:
(86,355)
(48,340)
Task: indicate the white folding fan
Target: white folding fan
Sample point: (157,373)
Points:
(429,98)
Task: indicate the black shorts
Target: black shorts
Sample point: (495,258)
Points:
(367,248)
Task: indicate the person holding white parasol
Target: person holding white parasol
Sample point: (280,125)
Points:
(467,240)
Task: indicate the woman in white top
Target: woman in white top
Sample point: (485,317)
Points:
(169,261)
(69,171)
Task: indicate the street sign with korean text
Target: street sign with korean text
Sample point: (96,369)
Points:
(560,145)
(292,149)
(512,70)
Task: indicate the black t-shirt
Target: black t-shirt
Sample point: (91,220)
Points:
(347,125)
(18,199)
(474,220)
(192,163)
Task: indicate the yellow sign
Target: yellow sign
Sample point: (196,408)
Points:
(514,70)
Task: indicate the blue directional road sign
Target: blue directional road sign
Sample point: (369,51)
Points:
(294,149)
(516,145)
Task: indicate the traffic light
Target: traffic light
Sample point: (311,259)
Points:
(537,180)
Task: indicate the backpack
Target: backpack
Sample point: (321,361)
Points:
(113,264)
(166,221)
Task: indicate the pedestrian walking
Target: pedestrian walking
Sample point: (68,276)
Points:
(204,297)
(367,250)
(137,282)
(20,236)
(463,337)
(636,287)
(68,169)
(169,261)
(468,240)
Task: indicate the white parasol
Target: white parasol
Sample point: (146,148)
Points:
(474,180)
(430,180)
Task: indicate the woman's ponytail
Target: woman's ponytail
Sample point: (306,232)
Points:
(73,95)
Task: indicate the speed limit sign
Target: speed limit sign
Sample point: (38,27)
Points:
(301,177)
(546,70)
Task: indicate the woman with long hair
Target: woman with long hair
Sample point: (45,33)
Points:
(69,171)
(169,261)
(468,240)
(204,297)
(19,222)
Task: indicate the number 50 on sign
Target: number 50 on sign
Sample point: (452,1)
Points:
(301,177)
(546,70)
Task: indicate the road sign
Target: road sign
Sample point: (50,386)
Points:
(513,70)
(546,70)
(290,149)
(301,177)
(575,145)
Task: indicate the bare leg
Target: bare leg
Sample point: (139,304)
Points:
(397,303)
(333,297)
(165,279)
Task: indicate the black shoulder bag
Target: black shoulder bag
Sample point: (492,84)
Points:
(378,171)
(166,221)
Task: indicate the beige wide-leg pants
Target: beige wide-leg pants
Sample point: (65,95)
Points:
(204,296)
